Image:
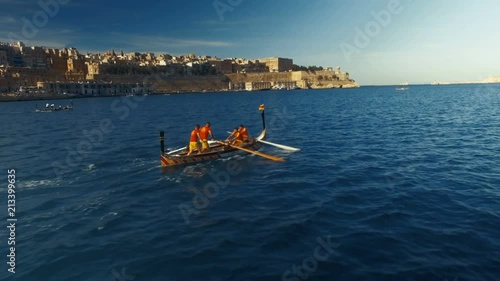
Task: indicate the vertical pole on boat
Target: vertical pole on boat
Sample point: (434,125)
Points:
(162,142)
(261,108)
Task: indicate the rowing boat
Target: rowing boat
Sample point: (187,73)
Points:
(217,150)
(53,109)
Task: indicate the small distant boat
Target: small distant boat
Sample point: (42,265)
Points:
(52,108)
(404,88)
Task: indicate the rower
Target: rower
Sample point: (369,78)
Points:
(193,141)
(244,133)
(205,131)
(237,138)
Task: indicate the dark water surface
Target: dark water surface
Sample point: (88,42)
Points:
(388,186)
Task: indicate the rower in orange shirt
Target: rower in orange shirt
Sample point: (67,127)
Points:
(244,133)
(235,138)
(205,131)
(193,141)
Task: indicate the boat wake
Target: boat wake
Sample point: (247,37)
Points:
(38,183)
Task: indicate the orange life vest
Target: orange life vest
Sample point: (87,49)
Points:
(194,136)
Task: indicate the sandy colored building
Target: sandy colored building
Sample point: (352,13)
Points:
(277,64)
(93,70)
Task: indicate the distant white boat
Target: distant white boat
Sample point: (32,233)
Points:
(403,88)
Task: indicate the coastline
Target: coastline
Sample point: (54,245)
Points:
(25,97)
(15,97)
(66,97)
(20,98)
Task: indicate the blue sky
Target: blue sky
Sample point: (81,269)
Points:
(423,41)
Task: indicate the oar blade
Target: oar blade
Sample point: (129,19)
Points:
(285,147)
(270,157)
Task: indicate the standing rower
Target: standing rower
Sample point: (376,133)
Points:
(193,141)
(205,131)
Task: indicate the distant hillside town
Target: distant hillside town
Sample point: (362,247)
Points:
(40,70)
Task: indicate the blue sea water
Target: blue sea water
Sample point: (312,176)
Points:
(388,185)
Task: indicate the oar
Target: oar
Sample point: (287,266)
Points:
(289,148)
(270,157)
(285,147)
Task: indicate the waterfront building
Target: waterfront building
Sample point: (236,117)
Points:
(257,86)
(237,86)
